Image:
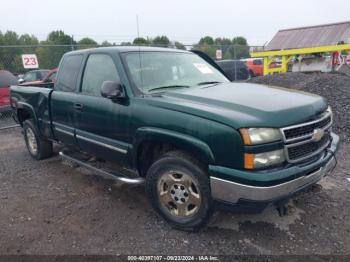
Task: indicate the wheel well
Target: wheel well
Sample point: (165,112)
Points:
(23,115)
(150,151)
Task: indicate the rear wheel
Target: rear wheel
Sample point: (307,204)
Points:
(179,190)
(37,147)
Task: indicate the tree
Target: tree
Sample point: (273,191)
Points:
(125,43)
(27,39)
(140,41)
(87,41)
(239,40)
(179,45)
(208,40)
(58,43)
(10,38)
(106,43)
(224,45)
(161,41)
(60,38)
(206,45)
(240,48)
(10,56)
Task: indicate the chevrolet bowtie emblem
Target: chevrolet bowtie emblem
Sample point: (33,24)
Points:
(317,135)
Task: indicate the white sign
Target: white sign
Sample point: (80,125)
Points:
(30,61)
(218,54)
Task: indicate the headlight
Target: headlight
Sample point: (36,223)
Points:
(253,161)
(255,136)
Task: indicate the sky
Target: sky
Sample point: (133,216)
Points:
(182,20)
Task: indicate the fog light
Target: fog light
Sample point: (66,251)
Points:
(261,160)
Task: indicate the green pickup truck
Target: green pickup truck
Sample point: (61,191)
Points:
(172,120)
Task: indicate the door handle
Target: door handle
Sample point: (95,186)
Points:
(78,106)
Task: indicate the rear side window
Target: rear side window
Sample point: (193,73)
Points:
(99,68)
(68,74)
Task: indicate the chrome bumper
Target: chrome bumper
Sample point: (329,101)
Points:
(231,192)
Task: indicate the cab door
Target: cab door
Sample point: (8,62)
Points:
(63,99)
(99,129)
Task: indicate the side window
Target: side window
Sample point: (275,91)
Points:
(99,68)
(52,77)
(257,62)
(68,74)
(42,74)
(30,76)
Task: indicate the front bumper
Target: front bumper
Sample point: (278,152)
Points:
(235,193)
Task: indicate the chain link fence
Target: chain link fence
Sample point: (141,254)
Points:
(6,120)
(49,56)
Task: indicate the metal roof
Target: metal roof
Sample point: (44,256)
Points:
(311,36)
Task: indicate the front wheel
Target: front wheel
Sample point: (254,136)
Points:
(179,190)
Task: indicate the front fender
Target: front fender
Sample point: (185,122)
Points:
(188,143)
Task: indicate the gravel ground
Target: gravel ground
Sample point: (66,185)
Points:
(48,207)
(51,208)
(334,87)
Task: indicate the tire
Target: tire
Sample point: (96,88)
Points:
(37,147)
(178,188)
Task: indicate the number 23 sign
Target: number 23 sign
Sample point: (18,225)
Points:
(30,61)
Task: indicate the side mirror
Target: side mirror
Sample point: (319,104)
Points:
(112,90)
(21,80)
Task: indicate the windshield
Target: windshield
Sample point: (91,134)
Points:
(154,71)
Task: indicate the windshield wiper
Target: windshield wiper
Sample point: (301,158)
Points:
(208,83)
(167,87)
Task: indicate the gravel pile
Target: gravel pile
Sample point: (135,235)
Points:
(334,87)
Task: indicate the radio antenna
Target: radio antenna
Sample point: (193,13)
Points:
(138,36)
(137,25)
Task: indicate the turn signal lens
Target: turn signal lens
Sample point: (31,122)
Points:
(248,161)
(245,136)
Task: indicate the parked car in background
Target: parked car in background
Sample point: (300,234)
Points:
(34,75)
(6,79)
(234,69)
(48,81)
(255,66)
(19,76)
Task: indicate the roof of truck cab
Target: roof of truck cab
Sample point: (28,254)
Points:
(121,49)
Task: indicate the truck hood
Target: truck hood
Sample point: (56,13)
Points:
(243,105)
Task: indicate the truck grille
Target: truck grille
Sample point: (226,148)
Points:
(300,142)
(307,129)
(308,149)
